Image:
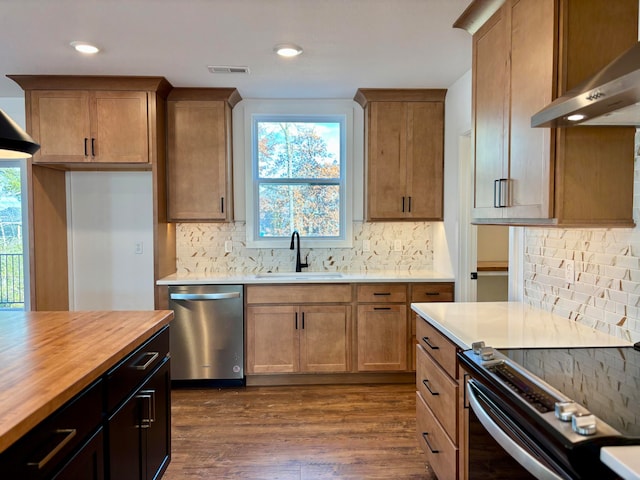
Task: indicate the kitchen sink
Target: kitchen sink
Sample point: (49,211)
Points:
(299,275)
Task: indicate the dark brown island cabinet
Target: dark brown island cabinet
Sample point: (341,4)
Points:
(118,428)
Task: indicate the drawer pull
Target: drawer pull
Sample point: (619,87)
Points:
(425,382)
(149,415)
(432,347)
(435,294)
(385,294)
(149,357)
(425,435)
(382,308)
(68,433)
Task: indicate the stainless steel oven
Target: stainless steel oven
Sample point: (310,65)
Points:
(546,413)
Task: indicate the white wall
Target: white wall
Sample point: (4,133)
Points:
(109,213)
(457,123)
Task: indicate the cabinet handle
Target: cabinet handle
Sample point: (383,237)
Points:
(380,294)
(149,357)
(495,191)
(409,204)
(68,433)
(302,320)
(500,196)
(85,146)
(382,308)
(402,204)
(222,204)
(149,416)
(431,293)
(93,147)
(425,435)
(432,347)
(425,382)
(296,320)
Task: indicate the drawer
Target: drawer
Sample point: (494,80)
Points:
(132,371)
(441,453)
(42,451)
(432,292)
(438,391)
(294,294)
(382,293)
(438,346)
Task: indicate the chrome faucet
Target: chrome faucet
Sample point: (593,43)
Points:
(299,264)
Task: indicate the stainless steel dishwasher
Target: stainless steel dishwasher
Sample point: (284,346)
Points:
(207,334)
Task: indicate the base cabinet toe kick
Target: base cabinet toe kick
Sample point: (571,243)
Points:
(118,428)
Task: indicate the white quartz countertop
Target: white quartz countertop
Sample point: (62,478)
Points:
(510,325)
(305,277)
(625,461)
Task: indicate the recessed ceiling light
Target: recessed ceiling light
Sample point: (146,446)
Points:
(287,50)
(84,47)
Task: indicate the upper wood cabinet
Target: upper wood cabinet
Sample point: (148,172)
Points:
(524,56)
(90,126)
(404,153)
(199,154)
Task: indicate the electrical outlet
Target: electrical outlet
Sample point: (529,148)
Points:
(366,245)
(397,245)
(139,248)
(570,271)
(228,246)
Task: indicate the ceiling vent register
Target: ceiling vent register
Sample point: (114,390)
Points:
(228,69)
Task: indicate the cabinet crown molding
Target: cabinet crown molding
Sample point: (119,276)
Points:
(93,82)
(476,14)
(366,95)
(229,95)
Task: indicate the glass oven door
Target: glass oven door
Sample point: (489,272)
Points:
(499,448)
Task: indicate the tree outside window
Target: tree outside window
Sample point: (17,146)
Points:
(299,177)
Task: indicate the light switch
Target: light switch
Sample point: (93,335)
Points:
(397,245)
(366,245)
(228,246)
(569,271)
(139,248)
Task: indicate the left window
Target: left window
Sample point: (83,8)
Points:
(13,291)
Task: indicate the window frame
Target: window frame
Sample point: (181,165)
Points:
(310,110)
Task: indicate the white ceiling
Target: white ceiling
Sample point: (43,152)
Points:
(347,43)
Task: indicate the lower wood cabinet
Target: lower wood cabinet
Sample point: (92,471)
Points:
(440,409)
(297,338)
(87,463)
(382,337)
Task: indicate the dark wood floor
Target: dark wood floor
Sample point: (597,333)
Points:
(302,433)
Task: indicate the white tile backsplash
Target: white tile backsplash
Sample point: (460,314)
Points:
(200,250)
(606,293)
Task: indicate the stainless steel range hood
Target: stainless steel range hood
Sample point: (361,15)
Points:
(611,97)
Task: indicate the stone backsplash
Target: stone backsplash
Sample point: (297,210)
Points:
(606,292)
(200,250)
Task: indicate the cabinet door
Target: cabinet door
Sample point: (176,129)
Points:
(272,339)
(119,127)
(382,337)
(425,160)
(386,164)
(60,124)
(125,442)
(532,88)
(199,160)
(324,338)
(491,112)
(156,394)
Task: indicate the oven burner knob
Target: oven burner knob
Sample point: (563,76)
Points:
(565,410)
(584,423)
(477,347)
(487,353)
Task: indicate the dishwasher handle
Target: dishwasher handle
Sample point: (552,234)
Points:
(204,296)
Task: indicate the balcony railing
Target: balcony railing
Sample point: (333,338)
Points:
(11,281)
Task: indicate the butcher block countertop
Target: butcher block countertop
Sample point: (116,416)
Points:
(46,358)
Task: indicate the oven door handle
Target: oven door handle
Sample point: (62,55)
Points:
(523,457)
